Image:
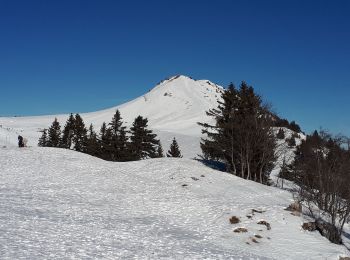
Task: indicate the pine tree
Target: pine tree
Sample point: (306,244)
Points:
(79,134)
(291,141)
(43,139)
(242,137)
(104,141)
(68,132)
(92,145)
(295,127)
(54,134)
(174,150)
(143,142)
(118,145)
(280,134)
(160,152)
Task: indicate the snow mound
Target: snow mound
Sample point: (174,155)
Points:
(56,203)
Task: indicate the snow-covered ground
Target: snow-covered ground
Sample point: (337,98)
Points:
(173,108)
(60,204)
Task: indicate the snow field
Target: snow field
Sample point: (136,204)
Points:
(57,204)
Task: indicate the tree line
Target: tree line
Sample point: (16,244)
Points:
(113,142)
(244,138)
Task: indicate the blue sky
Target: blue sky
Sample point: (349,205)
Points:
(78,56)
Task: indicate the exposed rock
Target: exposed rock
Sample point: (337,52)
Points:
(329,231)
(257,211)
(267,224)
(240,230)
(254,240)
(309,226)
(234,220)
(295,207)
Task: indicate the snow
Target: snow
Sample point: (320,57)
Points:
(173,109)
(57,203)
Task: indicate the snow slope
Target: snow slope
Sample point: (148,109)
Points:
(60,204)
(173,108)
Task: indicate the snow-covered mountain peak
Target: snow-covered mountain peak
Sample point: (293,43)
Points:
(175,104)
(173,108)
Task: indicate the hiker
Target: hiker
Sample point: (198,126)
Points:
(20,141)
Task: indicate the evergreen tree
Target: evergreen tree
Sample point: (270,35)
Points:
(174,150)
(160,152)
(104,141)
(295,127)
(79,134)
(242,137)
(280,134)
(291,141)
(143,141)
(54,134)
(92,145)
(68,132)
(43,139)
(118,140)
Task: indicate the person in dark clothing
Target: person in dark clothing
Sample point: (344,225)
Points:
(20,141)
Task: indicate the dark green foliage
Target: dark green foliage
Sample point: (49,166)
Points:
(67,133)
(104,141)
(242,137)
(143,142)
(111,144)
(43,139)
(294,127)
(118,139)
(291,141)
(278,122)
(92,145)
(280,134)
(54,133)
(174,150)
(160,152)
(79,134)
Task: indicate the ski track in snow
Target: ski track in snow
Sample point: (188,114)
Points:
(60,204)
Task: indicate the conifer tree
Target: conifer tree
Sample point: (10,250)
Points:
(43,139)
(280,134)
(160,152)
(241,137)
(104,141)
(291,141)
(118,139)
(295,127)
(54,134)
(92,145)
(79,134)
(143,141)
(67,133)
(174,150)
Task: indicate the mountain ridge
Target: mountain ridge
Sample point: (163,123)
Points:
(173,108)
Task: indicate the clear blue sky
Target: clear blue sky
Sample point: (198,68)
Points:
(68,56)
